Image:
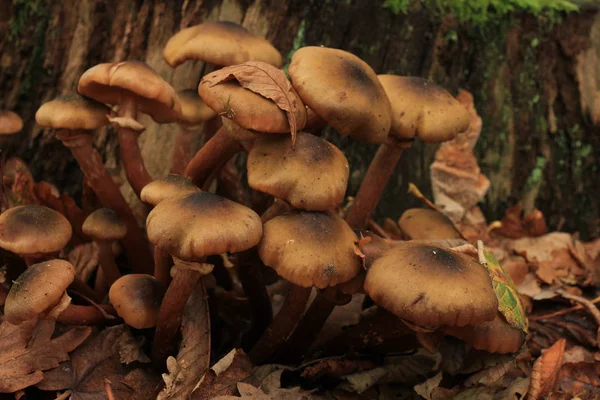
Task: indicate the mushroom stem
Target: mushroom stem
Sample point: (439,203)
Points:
(381,168)
(86,315)
(249,272)
(211,127)
(283,324)
(307,330)
(136,172)
(220,147)
(274,210)
(107,262)
(109,194)
(82,288)
(162,266)
(183,145)
(170,313)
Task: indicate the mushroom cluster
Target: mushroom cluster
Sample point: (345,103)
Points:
(192,231)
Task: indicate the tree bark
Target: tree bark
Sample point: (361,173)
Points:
(535,86)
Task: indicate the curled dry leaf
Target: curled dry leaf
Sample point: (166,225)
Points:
(23,356)
(85,259)
(426,389)
(267,81)
(580,379)
(545,370)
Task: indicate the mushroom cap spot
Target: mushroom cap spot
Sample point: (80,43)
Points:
(219,43)
(431,286)
(137,299)
(343,90)
(202,224)
(425,224)
(37,290)
(496,336)
(422,109)
(193,110)
(33,229)
(170,186)
(104,224)
(312,176)
(248,109)
(72,111)
(10,122)
(310,248)
(110,82)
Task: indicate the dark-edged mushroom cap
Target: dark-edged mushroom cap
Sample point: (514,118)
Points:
(373,248)
(33,229)
(10,122)
(422,109)
(202,224)
(248,109)
(104,224)
(425,224)
(38,290)
(221,43)
(109,82)
(312,176)
(72,111)
(193,110)
(137,299)
(170,186)
(343,90)
(310,248)
(496,336)
(431,286)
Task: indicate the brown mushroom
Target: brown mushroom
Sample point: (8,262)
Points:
(137,298)
(420,109)
(132,86)
(75,117)
(430,286)
(190,228)
(425,224)
(104,226)
(10,123)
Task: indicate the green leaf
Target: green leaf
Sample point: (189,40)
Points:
(509,302)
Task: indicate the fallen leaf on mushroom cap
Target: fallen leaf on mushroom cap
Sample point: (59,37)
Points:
(23,357)
(101,358)
(545,370)
(267,81)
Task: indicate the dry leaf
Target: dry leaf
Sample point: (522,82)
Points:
(581,379)
(426,389)
(490,375)
(545,370)
(85,259)
(192,360)
(23,356)
(267,81)
(248,391)
(540,248)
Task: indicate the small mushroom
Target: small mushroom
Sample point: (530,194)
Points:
(133,86)
(10,123)
(425,224)
(191,228)
(312,176)
(104,226)
(137,298)
(75,117)
(431,286)
(420,109)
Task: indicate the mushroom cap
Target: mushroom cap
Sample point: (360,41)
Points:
(431,286)
(72,111)
(104,224)
(373,249)
(170,186)
(193,109)
(33,229)
(137,299)
(221,43)
(495,336)
(426,224)
(110,82)
(10,122)
(310,248)
(248,109)
(202,224)
(343,90)
(423,109)
(312,176)
(37,290)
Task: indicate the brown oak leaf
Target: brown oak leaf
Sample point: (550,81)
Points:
(545,370)
(267,81)
(23,356)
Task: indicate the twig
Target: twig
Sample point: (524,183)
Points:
(109,393)
(64,396)
(587,304)
(562,312)
(374,226)
(414,190)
